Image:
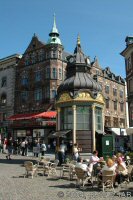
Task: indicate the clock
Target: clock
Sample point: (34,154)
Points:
(71,59)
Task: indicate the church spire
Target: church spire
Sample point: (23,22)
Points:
(54,34)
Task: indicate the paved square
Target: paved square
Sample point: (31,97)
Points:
(13,185)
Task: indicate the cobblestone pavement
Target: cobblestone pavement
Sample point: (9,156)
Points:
(13,185)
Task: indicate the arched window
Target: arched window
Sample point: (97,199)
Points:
(3,99)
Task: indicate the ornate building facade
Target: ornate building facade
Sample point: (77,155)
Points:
(114,91)
(7,90)
(127,53)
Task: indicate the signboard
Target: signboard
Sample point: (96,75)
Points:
(21,133)
(38,133)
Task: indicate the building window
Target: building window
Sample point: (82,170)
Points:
(128,64)
(59,55)
(54,73)
(38,94)
(101,84)
(130,85)
(121,107)
(121,93)
(24,96)
(107,103)
(53,54)
(4,116)
(3,99)
(38,76)
(27,60)
(83,118)
(53,94)
(4,82)
(107,89)
(33,58)
(24,81)
(60,73)
(115,105)
(47,72)
(41,55)
(98,117)
(114,91)
(67,118)
(47,92)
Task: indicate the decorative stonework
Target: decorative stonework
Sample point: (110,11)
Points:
(82,96)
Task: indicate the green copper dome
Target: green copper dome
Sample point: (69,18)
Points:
(54,35)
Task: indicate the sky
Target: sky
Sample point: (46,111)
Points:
(102,25)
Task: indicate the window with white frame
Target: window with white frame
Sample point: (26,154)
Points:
(98,118)
(115,91)
(121,93)
(54,73)
(60,73)
(107,89)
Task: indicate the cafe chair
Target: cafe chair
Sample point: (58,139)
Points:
(82,177)
(108,178)
(30,169)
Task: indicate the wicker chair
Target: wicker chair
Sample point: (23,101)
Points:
(108,178)
(30,169)
(82,177)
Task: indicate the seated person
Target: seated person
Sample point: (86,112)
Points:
(121,170)
(83,166)
(109,166)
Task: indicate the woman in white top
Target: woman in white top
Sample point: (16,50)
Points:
(121,170)
(75,152)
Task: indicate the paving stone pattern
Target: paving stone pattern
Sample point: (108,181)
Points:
(13,185)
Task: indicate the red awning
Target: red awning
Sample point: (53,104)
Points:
(48,114)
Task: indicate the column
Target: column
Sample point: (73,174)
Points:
(58,119)
(74,123)
(93,128)
(103,119)
(58,127)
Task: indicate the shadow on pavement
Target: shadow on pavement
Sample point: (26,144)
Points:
(16,161)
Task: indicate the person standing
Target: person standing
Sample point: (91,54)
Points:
(4,145)
(43,148)
(75,152)
(63,149)
(9,148)
(23,147)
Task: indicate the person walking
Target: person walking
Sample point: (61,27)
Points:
(23,147)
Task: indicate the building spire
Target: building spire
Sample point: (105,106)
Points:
(78,40)
(54,34)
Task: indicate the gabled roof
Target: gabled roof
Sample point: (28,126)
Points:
(34,44)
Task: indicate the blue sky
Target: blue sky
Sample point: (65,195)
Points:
(102,25)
